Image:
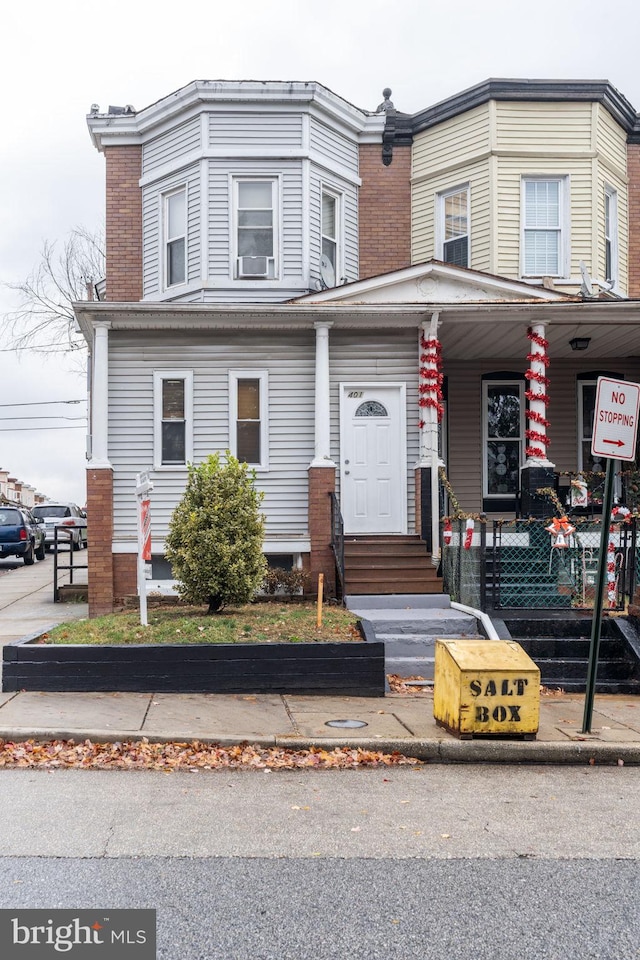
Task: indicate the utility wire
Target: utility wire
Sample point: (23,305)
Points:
(40,416)
(41,403)
(8,429)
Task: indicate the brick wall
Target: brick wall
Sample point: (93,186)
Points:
(124,223)
(633,170)
(100,530)
(322,482)
(384,210)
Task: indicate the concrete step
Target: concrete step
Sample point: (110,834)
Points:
(392,587)
(413,601)
(439,622)
(410,667)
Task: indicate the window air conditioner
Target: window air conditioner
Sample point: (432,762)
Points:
(254,267)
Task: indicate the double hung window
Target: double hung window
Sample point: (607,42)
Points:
(611,236)
(330,215)
(545,232)
(453,226)
(173,401)
(256,225)
(248,427)
(175,237)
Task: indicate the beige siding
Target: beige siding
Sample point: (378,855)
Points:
(605,180)
(536,127)
(611,142)
(510,173)
(457,141)
(424,213)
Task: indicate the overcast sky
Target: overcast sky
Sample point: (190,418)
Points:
(59,58)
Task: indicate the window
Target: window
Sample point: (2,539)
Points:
(587,463)
(453,226)
(611,236)
(256,229)
(545,236)
(173,418)
(503,428)
(330,216)
(175,226)
(248,429)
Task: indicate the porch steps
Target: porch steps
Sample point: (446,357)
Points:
(376,565)
(409,625)
(561,649)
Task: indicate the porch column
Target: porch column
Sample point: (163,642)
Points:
(100,482)
(429,399)
(322,470)
(538,470)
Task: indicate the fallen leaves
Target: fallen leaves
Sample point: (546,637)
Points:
(187,756)
(399,684)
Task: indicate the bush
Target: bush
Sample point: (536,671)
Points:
(216,533)
(289,582)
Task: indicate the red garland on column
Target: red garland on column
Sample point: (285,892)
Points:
(533,435)
(430,386)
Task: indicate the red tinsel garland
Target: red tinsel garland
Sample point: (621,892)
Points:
(535,418)
(430,386)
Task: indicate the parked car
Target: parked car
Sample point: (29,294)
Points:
(21,534)
(67,515)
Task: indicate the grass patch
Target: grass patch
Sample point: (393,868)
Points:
(253,623)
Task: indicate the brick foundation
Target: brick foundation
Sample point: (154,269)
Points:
(125,576)
(100,526)
(322,482)
(384,210)
(124,223)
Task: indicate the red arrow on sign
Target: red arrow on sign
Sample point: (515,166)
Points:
(616,443)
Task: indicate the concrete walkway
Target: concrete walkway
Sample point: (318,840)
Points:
(394,722)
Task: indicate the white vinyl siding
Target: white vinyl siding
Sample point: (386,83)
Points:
(239,132)
(339,151)
(153,238)
(172,147)
(289,360)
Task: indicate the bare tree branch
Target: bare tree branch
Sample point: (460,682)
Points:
(43,319)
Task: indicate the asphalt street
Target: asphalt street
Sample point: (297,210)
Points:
(444,862)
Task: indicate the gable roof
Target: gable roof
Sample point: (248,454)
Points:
(435,282)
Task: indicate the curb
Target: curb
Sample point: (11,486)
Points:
(431,751)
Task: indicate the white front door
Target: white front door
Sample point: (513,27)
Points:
(373,486)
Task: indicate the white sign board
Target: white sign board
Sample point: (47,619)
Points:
(615,422)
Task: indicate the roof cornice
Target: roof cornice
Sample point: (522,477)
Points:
(599,91)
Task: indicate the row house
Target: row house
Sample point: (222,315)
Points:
(348,299)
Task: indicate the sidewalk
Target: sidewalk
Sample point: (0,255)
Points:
(402,722)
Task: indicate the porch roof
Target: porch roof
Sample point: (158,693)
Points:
(468,331)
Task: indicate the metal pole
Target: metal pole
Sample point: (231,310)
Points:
(596,625)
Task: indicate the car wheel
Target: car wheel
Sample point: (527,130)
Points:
(41,552)
(28,556)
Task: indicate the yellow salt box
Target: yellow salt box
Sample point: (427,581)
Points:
(486,687)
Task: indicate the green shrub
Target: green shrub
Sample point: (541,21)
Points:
(289,582)
(216,534)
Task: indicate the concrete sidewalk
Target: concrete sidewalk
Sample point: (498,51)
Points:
(402,722)
(396,722)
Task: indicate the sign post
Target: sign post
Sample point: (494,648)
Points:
(144,486)
(615,427)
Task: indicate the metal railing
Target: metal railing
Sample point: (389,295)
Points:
(337,541)
(71,566)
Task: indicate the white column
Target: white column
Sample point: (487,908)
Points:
(428,452)
(100,397)
(538,407)
(322,455)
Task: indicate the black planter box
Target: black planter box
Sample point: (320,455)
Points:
(341,669)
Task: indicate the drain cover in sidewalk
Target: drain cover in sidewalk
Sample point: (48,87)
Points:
(351,724)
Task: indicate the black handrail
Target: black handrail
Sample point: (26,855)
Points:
(71,566)
(337,540)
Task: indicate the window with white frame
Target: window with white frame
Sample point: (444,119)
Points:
(330,231)
(173,417)
(248,420)
(611,236)
(452,231)
(545,233)
(503,432)
(256,229)
(587,463)
(175,237)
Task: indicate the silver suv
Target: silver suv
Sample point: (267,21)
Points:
(67,515)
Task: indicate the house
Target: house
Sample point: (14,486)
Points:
(345,299)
